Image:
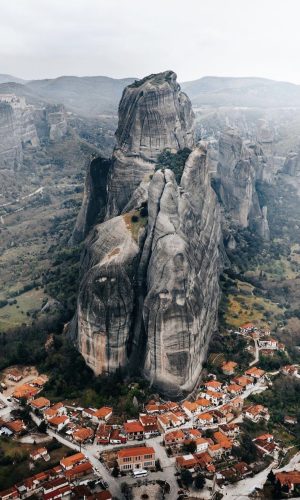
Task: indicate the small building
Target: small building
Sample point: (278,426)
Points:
(149,423)
(291,370)
(40,404)
(25,391)
(116,437)
(190,408)
(247,328)
(267,343)
(176,437)
(234,389)
(140,457)
(16,426)
(10,494)
(189,462)
(15,375)
(69,462)
(201,444)
(39,453)
(133,429)
(289,420)
(255,413)
(244,382)
(78,471)
(289,479)
(83,434)
(101,415)
(59,422)
(103,434)
(213,385)
(205,419)
(255,373)
(228,367)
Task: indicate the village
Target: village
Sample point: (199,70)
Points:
(195,448)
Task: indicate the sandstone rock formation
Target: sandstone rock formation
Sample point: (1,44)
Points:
(149,294)
(17,129)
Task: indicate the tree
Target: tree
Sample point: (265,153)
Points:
(271,477)
(115,472)
(186,477)
(42,427)
(189,447)
(199,481)
(126,490)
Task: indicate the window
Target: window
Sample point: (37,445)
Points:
(147,456)
(148,464)
(127,459)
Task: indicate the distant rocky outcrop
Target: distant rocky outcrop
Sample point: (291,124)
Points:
(17,129)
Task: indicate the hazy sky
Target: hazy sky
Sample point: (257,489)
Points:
(120,38)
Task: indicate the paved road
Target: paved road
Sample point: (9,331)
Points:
(256,356)
(99,468)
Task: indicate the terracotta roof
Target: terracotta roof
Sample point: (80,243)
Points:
(205,416)
(288,478)
(255,372)
(174,435)
(234,388)
(229,365)
(242,381)
(82,434)
(223,440)
(214,384)
(85,467)
(24,391)
(133,427)
(72,460)
(189,405)
(16,426)
(40,402)
(135,451)
(56,421)
(202,402)
(103,412)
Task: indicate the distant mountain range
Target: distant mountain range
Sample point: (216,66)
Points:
(94,96)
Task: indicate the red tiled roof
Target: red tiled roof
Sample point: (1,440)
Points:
(136,451)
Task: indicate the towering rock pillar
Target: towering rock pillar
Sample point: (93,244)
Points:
(149,295)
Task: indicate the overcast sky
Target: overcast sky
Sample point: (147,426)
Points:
(124,38)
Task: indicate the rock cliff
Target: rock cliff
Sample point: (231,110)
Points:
(17,130)
(149,295)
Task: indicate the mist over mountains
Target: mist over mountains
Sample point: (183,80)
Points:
(92,96)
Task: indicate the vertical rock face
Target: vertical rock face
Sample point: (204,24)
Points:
(238,166)
(17,130)
(153,115)
(181,304)
(149,294)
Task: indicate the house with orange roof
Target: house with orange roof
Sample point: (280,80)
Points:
(255,373)
(39,453)
(69,462)
(152,407)
(133,429)
(223,440)
(167,420)
(186,462)
(10,494)
(190,408)
(39,382)
(202,444)
(101,415)
(25,391)
(291,370)
(202,403)
(16,426)
(40,403)
(215,451)
(83,434)
(255,413)
(244,382)
(58,422)
(204,419)
(103,433)
(175,437)
(213,385)
(215,397)
(289,479)
(205,461)
(78,471)
(140,457)
(14,374)
(228,367)
(247,328)
(149,423)
(234,389)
